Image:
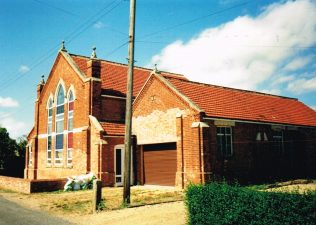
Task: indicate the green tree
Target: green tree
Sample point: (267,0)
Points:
(21,145)
(7,147)
(12,154)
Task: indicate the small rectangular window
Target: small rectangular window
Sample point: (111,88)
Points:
(59,126)
(70,124)
(278,143)
(71,106)
(224,141)
(30,155)
(50,112)
(49,156)
(70,140)
(49,143)
(69,156)
(60,109)
(58,156)
(49,129)
(59,141)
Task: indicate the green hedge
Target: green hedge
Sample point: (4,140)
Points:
(220,203)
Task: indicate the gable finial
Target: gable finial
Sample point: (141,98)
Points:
(63,46)
(155,70)
(94,53)
(42,80)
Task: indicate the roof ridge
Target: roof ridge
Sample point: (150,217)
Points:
(235,89)
(123,64)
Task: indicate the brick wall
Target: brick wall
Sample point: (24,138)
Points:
(191,149)
(198,159)
(96,99)
(155,121)
(113,109)
(255,160)
(309,142)
(15,184)
(28,186)
(108,170)
(62,73)
(90,153)
(47,185)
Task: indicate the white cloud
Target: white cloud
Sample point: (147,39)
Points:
(302,85)
(14,127)
(8,102)
(271,91)
(24,69)
(98,25)
(282,79)
(247,51)
(298,63)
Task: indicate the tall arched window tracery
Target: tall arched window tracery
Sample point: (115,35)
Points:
(49,130)
(59,142)
(70,127)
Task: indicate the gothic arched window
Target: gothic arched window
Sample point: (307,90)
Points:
(59,142)
(49,130)
(70,127)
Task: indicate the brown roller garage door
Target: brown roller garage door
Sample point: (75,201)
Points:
(160,164)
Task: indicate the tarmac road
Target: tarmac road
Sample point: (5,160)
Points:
(14,214)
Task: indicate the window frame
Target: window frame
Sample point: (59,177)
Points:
(122,148)
(59,122)
(49,132)
(278,142)
(228,152)
(262,136)
(30,155)
(70,129)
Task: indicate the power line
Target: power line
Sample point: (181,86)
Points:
(71,36)
(195,19)
(83,27)
(6,83)
(117,48)
(32,68)
(57,8)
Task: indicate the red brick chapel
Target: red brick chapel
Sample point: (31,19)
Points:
(183,131)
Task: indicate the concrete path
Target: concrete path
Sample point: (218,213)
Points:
(161,214)
(14,214)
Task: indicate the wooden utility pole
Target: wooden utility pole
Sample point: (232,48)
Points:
(129,99)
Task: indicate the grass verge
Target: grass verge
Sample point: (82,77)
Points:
(80,202)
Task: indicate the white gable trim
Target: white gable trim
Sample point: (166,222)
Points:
(73,65)
(96,123)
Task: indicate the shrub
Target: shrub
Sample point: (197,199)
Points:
(220,203)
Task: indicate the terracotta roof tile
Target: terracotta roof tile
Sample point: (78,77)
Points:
(229,103)
(113,128)
(114,75)
(216,101)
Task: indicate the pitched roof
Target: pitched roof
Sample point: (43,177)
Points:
(230,103)
(113,128)
(114,75)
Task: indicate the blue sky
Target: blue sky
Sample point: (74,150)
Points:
(262,45)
